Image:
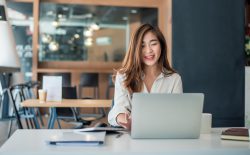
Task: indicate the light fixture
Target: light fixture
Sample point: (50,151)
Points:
(54,46)
(55,23)
(133,11)
(94,27)
(125,18)
(46,38)
(77,36)
(9,60)
(88,33)
(88,42)
(59,15)
(89,39)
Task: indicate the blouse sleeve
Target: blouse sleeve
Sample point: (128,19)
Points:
(177,85)
(121,101)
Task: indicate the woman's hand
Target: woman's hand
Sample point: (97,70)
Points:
(124,120)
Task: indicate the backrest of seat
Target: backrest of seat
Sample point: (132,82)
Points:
(67,93)
(89,80)
(32,85)
(110,87)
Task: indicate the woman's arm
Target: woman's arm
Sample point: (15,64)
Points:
(116,116)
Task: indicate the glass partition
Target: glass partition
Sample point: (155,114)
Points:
(70,32)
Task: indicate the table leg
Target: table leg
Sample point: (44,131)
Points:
(35,118)
(52,118)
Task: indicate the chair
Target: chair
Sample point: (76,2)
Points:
(32,85)
(8,118)
(90,80)
(110,86)
(69,114)
(16,95)
(29,94)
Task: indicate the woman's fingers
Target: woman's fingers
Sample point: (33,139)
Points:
(124,120)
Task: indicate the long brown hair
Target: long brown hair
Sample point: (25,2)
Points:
(132,66)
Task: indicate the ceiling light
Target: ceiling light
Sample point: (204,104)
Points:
(125,18)
(94,26)
(54,46)
(89,39)
(88,33)
(65,8)
(77,36)
(88,42)
(133,11)
(46,38)
(84,16)
(50,13)
(59,15)
(61,31)
(55,23)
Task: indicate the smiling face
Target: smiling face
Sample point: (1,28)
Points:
(151,50)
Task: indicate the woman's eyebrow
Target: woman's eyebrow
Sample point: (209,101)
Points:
(153,40)
(150,41)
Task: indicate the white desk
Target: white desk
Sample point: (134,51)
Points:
(30,142)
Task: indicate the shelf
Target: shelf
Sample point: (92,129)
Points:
(78,67)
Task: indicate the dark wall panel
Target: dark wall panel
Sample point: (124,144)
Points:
(208,52)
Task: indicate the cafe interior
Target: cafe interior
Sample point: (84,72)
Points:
(84,41)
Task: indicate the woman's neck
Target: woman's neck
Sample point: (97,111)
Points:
(153,71)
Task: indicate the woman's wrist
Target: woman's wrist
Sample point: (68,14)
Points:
(120,118)
(124,120)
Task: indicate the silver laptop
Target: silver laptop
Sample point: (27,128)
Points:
(173,116)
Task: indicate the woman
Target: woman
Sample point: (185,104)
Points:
(145,69)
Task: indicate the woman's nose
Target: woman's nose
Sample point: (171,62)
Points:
(148,49)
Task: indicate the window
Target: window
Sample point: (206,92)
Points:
(73,32)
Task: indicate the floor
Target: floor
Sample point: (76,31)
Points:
(65,125)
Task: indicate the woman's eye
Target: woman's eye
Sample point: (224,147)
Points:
(155,43)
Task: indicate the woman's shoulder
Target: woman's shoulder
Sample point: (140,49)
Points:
(173,76)
(120,76)
(176,75)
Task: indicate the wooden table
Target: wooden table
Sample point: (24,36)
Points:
(80,103)
(66,103)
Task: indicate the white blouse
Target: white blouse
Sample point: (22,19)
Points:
(122,98)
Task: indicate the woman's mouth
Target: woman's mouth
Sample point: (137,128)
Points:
(149,57)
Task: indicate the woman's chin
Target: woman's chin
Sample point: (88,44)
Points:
(150,64)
